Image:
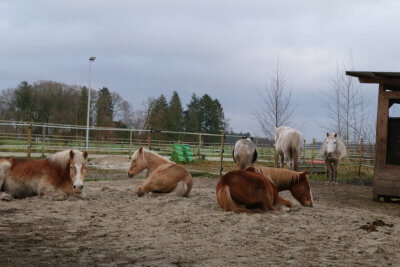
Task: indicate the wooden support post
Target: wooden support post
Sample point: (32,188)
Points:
(222,154)
(199,149)
(43,142)
(29,140)
(361,154)
(149,139)
(312,156)
(130,144)
(304,151)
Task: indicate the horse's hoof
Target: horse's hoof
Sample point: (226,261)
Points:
(140,193)
(6,197)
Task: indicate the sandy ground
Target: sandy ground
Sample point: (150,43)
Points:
(115,227)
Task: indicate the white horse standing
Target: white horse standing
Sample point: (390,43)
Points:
(244,153)
(288,145)
(333,150)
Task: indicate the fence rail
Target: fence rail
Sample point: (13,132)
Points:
(45,138)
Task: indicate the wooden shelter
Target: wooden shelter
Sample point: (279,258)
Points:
(387,150)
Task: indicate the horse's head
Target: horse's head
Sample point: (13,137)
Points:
(138,163)
(302,191)
(77,169)
(331,144)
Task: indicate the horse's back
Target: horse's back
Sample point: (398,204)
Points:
(245,187)
(244,153)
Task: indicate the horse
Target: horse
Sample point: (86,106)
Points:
(296,182)
(241,191)
(244,153)
(56,176)
(164,176)
(288,146)
(333,150)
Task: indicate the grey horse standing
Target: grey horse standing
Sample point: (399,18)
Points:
(333,150)
(244,153)
(288,145)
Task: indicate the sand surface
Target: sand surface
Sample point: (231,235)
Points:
(114,227)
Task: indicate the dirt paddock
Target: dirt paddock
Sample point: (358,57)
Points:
(115,227)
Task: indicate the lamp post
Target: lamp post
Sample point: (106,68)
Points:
(91,59)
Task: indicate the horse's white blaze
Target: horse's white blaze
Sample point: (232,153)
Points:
(78,178)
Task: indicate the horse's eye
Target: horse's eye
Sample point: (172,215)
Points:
(334,142)
(71,167)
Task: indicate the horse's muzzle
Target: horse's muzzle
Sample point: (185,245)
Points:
(78,188)
(130,175)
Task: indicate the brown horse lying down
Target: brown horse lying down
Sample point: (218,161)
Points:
(283,179)
(250,192)
(56,176)
(164,175)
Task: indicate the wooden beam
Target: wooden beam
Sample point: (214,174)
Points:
(379,80)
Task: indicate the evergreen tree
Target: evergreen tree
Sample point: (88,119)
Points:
(212,115)
(104,108)
(192,116)
(158,115)
(175,113)
(24,102)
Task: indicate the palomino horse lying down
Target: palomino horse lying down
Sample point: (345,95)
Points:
(296,182)
(164,175)
(250,192)
(56,176)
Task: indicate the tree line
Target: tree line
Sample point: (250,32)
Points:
(53,102)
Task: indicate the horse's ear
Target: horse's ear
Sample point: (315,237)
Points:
(303,173)
(85,154)
(327,134)
(71,154)
(335,135)
(140,149)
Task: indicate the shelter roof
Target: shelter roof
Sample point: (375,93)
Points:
(391,80)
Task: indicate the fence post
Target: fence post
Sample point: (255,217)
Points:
(130,144)
(29,140)
(304,150)
(360,159)
(222,154)
(43,136)
(149,138)
(198,150)
(312,156)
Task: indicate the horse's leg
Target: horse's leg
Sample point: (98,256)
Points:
(282,160)
(332,171)
(328,168)
(52,193)
(335,167)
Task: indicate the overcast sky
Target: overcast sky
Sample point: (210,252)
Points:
(226,49)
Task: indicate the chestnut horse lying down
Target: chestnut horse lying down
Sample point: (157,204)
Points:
(164,175)
(243,191)
(56,176)
(283,179)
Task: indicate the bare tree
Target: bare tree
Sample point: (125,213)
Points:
(141,117)
(276,107)
(346,107)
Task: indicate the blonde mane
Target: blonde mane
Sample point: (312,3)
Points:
(152,155)
(282,178)
(62,158)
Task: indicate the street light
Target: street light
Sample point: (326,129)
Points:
(91,59)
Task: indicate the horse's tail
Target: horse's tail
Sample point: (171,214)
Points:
(226,202)
(184,187)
